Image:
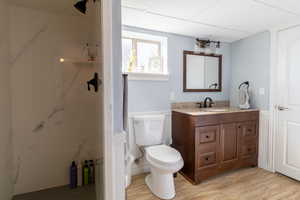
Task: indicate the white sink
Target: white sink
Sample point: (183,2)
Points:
(218,110)
(209,110)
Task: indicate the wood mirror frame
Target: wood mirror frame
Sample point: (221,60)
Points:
(185,53)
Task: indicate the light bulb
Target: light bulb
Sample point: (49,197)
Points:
(61,60)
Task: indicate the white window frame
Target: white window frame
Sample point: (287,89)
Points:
(163,41)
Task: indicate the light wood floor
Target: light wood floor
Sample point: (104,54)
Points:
(246,184)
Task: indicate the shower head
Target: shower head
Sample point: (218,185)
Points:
(81,6)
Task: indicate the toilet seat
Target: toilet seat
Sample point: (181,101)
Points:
(164,156)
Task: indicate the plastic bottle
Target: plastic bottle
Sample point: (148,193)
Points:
(86,171)
(79,174)
(73,175)
(92,172)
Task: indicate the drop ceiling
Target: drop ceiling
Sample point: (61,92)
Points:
(225,20)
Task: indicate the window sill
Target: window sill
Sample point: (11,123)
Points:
(133,76)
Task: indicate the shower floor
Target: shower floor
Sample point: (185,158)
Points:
(61,193)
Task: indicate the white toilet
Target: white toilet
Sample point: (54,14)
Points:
(164,160)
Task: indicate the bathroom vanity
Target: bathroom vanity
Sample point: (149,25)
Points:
(215,140)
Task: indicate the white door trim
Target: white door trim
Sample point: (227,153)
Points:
(106,10)
(274,99)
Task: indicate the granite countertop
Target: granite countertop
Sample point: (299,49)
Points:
(211,111)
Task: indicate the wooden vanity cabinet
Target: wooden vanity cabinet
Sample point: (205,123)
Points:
(213,144)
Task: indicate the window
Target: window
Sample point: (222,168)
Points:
(144,56)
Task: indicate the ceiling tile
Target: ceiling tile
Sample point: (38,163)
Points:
(138,18)
(246,15)
(179,8)
(292,6)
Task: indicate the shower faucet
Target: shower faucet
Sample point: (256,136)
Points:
(95,82)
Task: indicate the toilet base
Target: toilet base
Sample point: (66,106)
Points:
(161,185)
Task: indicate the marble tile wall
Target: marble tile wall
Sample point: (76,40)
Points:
(55,119)
(5,119)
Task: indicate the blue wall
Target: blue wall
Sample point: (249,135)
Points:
(145,96)
(251,62)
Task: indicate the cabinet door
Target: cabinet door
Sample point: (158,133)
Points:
(248,130)
(229,143)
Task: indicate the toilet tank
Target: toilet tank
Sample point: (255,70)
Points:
(148,129)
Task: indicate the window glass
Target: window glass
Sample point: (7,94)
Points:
(146,53)
(127,53)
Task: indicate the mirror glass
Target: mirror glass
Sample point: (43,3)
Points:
(202,73)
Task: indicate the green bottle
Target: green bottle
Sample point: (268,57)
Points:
(86,173)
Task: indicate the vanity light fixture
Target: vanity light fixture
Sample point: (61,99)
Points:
(207,46)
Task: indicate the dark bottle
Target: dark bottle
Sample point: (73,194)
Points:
(86,172)
(92,172)
(73,175)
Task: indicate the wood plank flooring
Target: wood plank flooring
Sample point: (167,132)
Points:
(245,184)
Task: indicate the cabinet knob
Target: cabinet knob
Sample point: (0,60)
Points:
(207,136)
(207,158)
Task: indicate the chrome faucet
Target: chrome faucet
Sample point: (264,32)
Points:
(211,102)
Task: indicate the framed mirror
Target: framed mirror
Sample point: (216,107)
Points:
(202,72)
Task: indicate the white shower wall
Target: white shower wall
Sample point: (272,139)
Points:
(55,119)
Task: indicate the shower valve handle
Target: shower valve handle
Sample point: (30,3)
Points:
(94,82)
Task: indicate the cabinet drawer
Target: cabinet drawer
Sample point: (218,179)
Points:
(207,159)
(248,129)
(207,134)
(207,137)
(248,149)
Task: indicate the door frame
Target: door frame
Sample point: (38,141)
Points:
(274,87)
(110,173)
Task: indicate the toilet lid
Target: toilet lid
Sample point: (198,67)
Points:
(163,154)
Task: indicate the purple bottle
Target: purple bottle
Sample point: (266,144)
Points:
(73,175)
